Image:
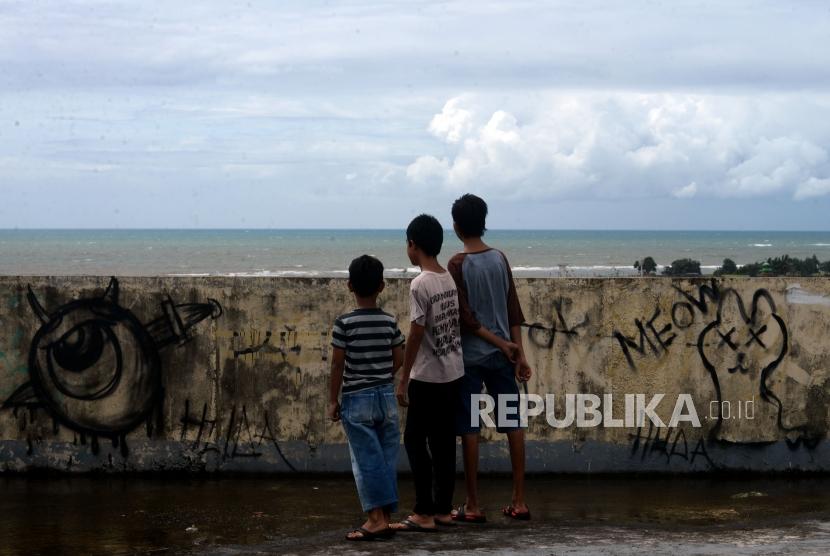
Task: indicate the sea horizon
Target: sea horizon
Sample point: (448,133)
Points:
(655,230)
(328,251)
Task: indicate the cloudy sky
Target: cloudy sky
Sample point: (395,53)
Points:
(562,114)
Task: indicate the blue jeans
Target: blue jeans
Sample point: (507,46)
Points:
(370,419)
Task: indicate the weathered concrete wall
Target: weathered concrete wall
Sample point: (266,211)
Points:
(230,374)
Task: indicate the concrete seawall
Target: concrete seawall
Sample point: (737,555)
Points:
(230,374)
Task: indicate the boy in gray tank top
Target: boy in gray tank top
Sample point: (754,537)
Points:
(491,338)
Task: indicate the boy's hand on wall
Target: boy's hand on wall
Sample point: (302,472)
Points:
(401,393)
(523,370)
(334,412)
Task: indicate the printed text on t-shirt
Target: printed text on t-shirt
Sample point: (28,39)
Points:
(445,324)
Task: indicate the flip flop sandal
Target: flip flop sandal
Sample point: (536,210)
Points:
(511,512)
(409,526)
(366,535)
(461,514)
(449,523)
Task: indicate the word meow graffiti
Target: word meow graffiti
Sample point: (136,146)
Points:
(96,368)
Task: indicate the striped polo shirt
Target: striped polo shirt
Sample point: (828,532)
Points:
(368,336)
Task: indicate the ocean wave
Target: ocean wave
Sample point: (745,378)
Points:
(760,245)
(391,273)
(274,273)
(577,267)
(256,274)
(564,270)
(523,271)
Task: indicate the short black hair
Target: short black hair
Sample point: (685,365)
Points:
(366,275)
(469,213)
(426,232)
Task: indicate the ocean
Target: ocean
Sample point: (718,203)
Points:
(538,253)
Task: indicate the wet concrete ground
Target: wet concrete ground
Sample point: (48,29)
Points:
(289,515)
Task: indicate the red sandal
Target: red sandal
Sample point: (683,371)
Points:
(460,514)
(511,512)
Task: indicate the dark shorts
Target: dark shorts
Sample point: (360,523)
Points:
(498,375)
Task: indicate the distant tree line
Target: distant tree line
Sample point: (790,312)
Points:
(778,266)
(683,267)
(647,267)
(773,266)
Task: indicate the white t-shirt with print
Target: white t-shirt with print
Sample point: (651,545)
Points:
(433,304)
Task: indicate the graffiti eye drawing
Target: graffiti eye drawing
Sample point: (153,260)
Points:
(755,336)
(85,362)
(95,367)
(727,339)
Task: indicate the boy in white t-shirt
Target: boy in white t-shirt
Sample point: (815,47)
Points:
(429,384)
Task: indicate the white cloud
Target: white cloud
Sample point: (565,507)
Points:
(356,44)
(297,97)
(452,123)
(614,145)
(813,188)
(686,192)
(427,168)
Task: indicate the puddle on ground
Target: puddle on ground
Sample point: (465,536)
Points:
(133,515)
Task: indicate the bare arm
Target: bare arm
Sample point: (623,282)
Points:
(397,358)
(523,370)
(515,318)
(509,349)
(338,362)
(413,343)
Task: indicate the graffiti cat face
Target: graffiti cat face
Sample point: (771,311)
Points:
(745,339)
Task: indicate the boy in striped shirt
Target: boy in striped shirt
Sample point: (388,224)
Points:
(367,350)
